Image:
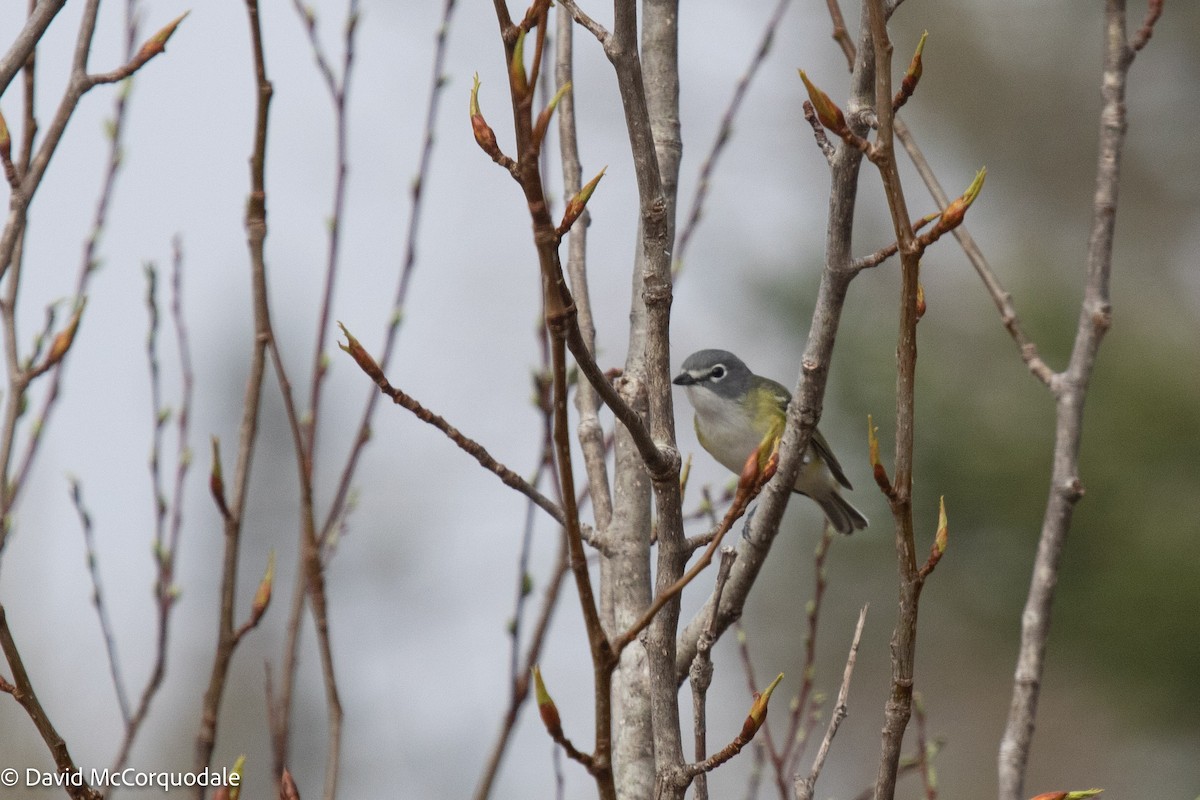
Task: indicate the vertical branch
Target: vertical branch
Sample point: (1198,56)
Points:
(169,515)
(256,233)
(281,704)
(437,84)
(1070,390)
(338,86)
(650,100)
(701,676)
(898,709)
(106,629)
(587,401)
(562,324)
(808,396)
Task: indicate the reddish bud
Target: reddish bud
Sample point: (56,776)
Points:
(912,76)
(827,111)
(877,469)
(287,786)
(485,137)
(545,704)
(952,217)
(158,42)
(920,300)
(758,710)
(360,355)
(578,203)
(64,338)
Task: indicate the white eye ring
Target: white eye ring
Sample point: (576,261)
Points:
(718,372)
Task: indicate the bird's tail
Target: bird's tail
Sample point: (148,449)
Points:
(843,516)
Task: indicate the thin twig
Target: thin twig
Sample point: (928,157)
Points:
(438,81)
(725,131)
(338,87)
(256,232)
(592,441)
(748,489)
(928,775)
(464,443)
(701,675)
(1070,389)
(22,691)
(310,581)
(33,167)
(106,629)
(589,24)
(520,687)
(797,733)
(166,543)
(804,788)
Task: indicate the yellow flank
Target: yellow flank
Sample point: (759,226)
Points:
(768,414)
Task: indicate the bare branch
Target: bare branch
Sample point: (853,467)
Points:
(804,788)
(106,630)
(592,27)
(22,691)
(701,674)
(1070,389)
(725,131)
(256,229)
(26,41)
(466,444)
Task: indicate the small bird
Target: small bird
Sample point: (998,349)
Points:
(736,411)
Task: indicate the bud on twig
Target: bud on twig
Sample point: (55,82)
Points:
(827,111)
(577,204)
(543,120)
(158,42)
(920,300)
(546,707)
(5,138)
(216,483)
(485,137)
(943,528)
(287,786)
(912,77)
(235,790)
(952,217)
(939,542)
(63,340)
(758,710)
(1079,795)
(877,468)
(262,597)
(516,67)
(360,355)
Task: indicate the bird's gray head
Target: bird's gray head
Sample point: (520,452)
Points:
(719,371)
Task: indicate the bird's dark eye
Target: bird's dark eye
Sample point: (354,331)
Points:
(718,372)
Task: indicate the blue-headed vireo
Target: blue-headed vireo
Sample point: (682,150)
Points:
(736,411)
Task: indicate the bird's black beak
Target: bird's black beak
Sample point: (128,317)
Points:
(684,379)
